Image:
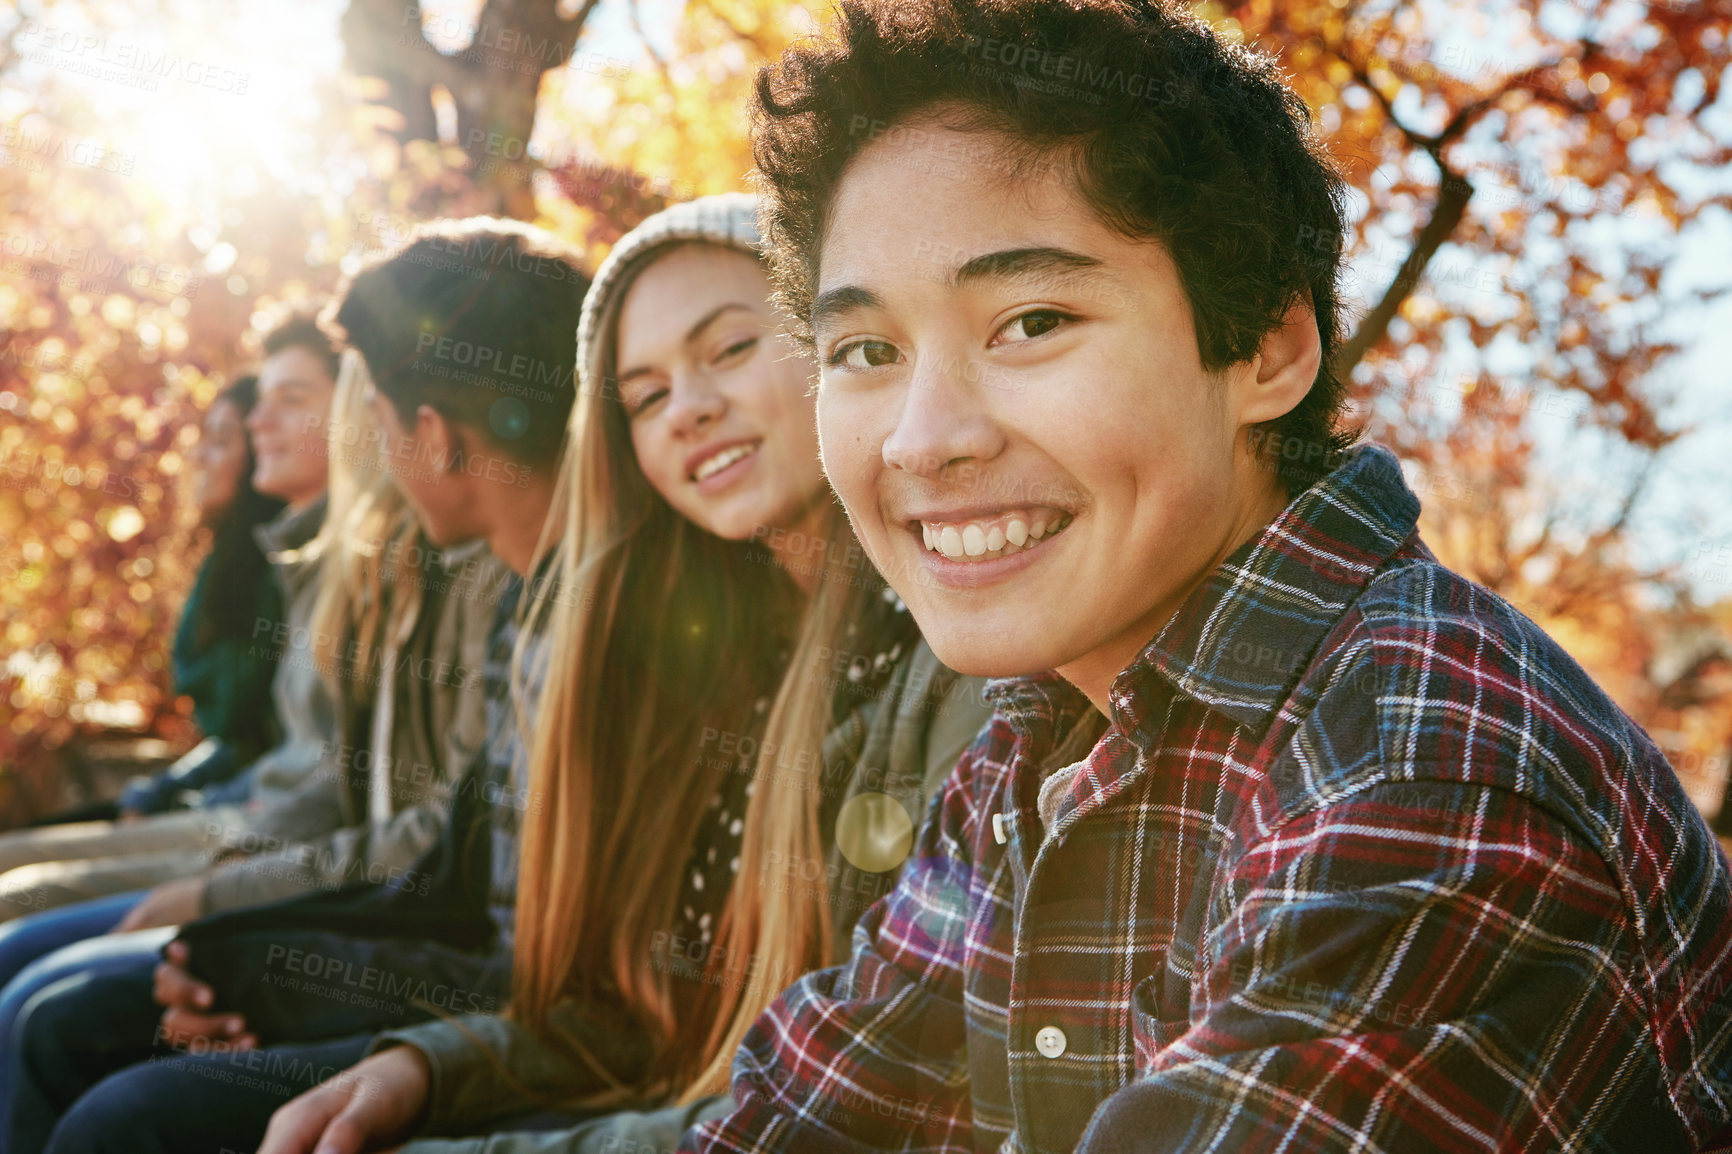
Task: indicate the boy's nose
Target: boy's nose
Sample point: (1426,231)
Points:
(942,422)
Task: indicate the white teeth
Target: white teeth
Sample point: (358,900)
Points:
(721,461)
(974,540)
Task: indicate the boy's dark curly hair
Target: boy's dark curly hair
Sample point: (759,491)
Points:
(1168,133)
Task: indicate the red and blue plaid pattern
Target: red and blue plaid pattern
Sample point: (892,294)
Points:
(1363,861)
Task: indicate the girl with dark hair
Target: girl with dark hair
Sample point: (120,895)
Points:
(223,653)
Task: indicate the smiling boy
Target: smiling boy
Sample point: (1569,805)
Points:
(1283,836)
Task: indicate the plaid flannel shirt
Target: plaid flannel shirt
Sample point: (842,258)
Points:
(1363,861)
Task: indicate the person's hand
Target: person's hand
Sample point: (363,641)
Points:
(225,854)
(169,904)
(378,1101)
(186,1003)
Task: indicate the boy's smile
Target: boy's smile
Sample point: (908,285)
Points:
(990,535)
(1021,428)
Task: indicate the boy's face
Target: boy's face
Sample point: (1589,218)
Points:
(419,461)
(996,361)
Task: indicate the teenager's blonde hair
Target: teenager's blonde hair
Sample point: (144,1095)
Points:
(657,631)
(360,600)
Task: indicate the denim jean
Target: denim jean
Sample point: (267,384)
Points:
(93,999)
(74,1041)
(26,939)
(26,942)
(198,1102)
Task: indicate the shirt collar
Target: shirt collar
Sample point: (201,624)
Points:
(292,528)
(1241,640)
(1041,708)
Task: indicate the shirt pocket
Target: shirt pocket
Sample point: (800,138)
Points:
(1149,1030)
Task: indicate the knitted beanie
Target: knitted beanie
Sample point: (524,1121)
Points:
(729,219)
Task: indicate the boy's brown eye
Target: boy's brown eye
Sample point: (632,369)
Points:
(1036,323)
(864,354)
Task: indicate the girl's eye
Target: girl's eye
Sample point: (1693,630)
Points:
(864,355)
(1034,323)
(636,406)
(737,348)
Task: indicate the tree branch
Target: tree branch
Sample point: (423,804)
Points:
(1453,194)
(1451,205)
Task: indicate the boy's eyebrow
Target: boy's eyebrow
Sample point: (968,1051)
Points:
(1006,264)
(836,301)
(1022,262)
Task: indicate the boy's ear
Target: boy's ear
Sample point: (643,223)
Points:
(439,435)
(1282,372)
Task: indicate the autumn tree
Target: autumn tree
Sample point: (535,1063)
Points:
(1522,175)
(1522,185)
(490,84)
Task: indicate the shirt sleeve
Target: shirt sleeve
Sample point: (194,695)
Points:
(210,762)
(1427,966)
(871,1055)
(625,1132)
(486,1067)
(303,847)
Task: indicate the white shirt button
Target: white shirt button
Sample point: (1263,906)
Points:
(1050,1041)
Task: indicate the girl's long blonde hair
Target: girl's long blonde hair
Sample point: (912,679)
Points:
(659,633)
(362,599)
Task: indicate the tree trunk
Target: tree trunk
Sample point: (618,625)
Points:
(494,82)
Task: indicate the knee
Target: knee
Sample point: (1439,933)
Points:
(20,935)
(73,1013)
(47,1023)
(166,1105)
(105,1119)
